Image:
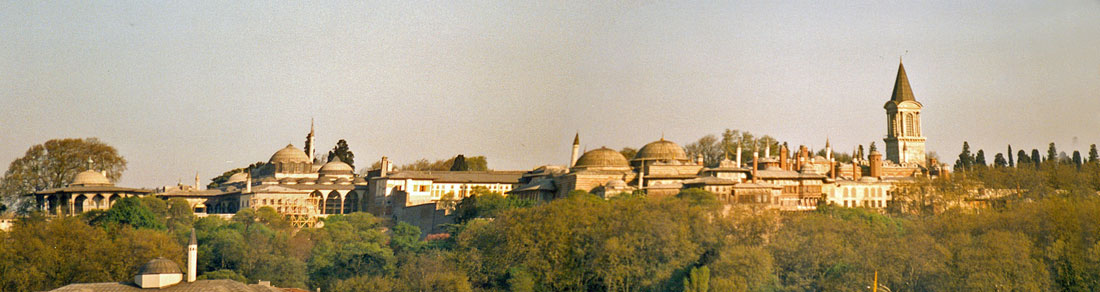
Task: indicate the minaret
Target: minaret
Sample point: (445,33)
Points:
(192,257)
(904,140)
(576,148)
(196,181)
(828,149)
(311,150)
(248,182)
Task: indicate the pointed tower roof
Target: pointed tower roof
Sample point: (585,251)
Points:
(193,241)
(577,139)
(902,91)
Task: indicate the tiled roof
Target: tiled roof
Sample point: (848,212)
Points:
(509,177)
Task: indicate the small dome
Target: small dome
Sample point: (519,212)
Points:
(90,178)
(616,184)
(159,266)
(289,154)
(661,150)
(336,167)
(603,157)
(237,177)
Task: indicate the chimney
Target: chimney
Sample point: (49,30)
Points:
(192,257)
(385,167)
(767,149)
(857,172)
(876,164)
(832,168)
(755,164)
(248,183)
(783,157)
(699,159)
(739,154)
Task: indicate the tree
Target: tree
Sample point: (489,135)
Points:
(341,151)
(130,211)
(1077,159)
(1052,153)
(999,160)
(873,148)
(217,181)
(1022,158)
(1011,161)
(55,163)
(966,160)
(698,280)
(979,159)
(459,164)
(628,153)
(1093,156)
(709,147)
(1036,159)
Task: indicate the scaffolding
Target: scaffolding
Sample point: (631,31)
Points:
(300,212)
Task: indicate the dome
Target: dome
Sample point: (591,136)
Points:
(237,177)
(289,154)
(661,150)
(90,178)
(159,266)
(336,167)
(616,184)
(603,157)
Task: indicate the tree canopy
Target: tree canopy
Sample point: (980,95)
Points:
(56,162)
(343,153)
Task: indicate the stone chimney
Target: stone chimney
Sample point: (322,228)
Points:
(876,164)
(784,154)
(699,158)
(385,167)
(248,182)
(755,164)
(739,154)
(857,171)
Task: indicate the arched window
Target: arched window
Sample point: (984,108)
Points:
(909,126)
(333,203)
(318,201)
(351,203)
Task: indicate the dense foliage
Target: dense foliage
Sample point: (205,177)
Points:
(55,163)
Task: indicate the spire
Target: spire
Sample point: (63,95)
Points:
(311,150)
(577,139)
(193,241)
(902,91)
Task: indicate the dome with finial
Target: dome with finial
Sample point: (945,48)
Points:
(602,158)
(289,154)
(90,178)
(336,167)
(662,150)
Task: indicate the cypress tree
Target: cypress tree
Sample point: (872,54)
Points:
(1077,159)
(979,159)
(1093,156)
(966,160)
(1022,158)
(1036,159)
(1052,153)
(999,160)
(1011,163)
(460,164)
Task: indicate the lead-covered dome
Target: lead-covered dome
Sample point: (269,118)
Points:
(289,154)
(159,266)
(90,178)
(663,150)
(237,177)
(336,167)
(602,158)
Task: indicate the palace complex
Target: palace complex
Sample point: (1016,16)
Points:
(296,183)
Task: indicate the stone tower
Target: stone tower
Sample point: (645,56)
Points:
(904,140)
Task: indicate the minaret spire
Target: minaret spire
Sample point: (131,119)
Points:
(576,148)
(311,150)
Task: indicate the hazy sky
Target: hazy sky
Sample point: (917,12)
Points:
(184,87)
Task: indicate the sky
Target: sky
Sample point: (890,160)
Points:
(182,87)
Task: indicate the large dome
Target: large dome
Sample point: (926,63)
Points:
(289,154)
(603,157)
(159,266)
(90,178)
(336,167)
(661,150)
